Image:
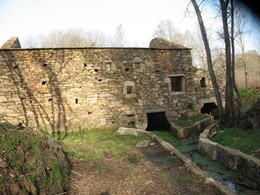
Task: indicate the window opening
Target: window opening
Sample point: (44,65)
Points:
(137,62)
(203,82)
(76,100)
(108,65)
(129,89)
(177,83)
(44,82)
(130,119)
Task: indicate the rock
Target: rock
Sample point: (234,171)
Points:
(127,131)
(14,189)
(207,147)
(29,186)
(143,144)
(13,42)
(2,163)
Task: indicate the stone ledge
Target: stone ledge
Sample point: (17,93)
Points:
(194,130)
(247,165)
(222,190)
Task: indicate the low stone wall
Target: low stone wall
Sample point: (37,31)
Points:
(191,131)
(232,158)
(222,190)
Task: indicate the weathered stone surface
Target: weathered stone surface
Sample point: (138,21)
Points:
(13,42)
(66,89)
(232,158)
(164,44)
(191,131)
(143,144)
(207,147)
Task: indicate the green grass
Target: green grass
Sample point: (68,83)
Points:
(187,179)
(186,122)
(238,139)
(94,145)
(249,94)
(166,136)
(248,97)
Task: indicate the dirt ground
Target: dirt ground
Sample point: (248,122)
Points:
(145,170)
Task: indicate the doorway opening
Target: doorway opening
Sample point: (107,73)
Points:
(157,121)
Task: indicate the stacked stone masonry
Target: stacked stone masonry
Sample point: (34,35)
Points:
(71,88)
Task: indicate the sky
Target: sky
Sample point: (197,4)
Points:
(139,18)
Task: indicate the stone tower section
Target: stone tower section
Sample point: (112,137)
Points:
(71,88)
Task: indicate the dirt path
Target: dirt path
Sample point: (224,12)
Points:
(144,170)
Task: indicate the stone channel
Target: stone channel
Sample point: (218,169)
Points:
(226,180)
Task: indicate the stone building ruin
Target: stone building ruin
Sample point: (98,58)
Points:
(71,88)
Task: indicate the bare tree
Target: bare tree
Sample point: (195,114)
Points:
(240,23)
(209,61)
(69,38)
(252,61)
(229,86)
(166,30)
(120,37)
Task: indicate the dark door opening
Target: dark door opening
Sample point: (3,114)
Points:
(157,121)
(210,108)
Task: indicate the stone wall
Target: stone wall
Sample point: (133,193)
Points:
(69,88)
(234,159)
(191,131)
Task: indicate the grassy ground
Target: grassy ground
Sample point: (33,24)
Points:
(248,97)
(247,142)
(185,122)
(105,162)
(28,164)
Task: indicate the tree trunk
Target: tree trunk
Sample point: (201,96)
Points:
(235,108)
(209,61)
(229,103)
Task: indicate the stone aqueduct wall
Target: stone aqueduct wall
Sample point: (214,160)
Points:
(70,88)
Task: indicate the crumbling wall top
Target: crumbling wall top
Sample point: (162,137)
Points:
(13,42)
(160,43)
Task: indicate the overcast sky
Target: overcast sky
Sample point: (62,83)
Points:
(139,18)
